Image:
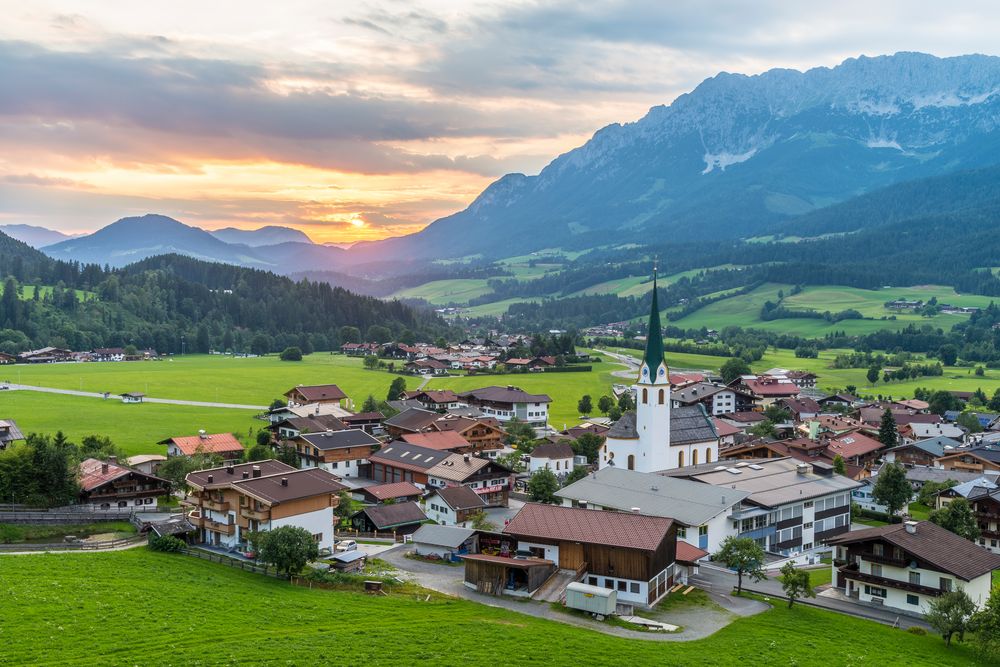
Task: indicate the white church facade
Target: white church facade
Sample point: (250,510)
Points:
(656,436)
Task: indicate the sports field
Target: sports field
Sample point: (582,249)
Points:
(141,608)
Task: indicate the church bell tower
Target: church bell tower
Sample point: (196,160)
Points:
(652,399)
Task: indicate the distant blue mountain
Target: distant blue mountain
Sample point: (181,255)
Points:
(270,235)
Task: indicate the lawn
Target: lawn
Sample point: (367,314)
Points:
(141,608)
(820,576)
(443,292)
(210,378)
(134,428)
(744,310)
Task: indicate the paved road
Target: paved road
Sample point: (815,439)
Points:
(697,622)
(147,399)
(717,580)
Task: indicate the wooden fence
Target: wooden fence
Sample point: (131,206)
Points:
(238,563)
(74,546)
(388,536)
(41,517)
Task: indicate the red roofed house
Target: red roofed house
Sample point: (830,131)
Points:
(445,441)
(223,444)
(854,448)
(106,485)
(314,394)
(767,390)
(633,554)
(401,492)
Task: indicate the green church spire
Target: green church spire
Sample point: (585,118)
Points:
(654,337)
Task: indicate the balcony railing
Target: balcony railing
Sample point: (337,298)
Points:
(851,572)
(215,505)
(215,526)
(260,515)
(885,559)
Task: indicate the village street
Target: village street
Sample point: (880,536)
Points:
(696,621)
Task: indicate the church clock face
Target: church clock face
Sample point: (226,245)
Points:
(645,371)
(662,372)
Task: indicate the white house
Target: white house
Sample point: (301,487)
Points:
(506,403)
(906,566)
(556,456)
(453,505)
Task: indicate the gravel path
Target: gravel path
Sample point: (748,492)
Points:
(697,621)
(147,399)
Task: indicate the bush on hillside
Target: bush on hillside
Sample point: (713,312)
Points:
(167,544)
(291,354)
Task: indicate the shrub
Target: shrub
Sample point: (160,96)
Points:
(916,630)
(166,544)
(291,354)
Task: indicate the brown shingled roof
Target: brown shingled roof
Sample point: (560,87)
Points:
(615,529)
(938,546)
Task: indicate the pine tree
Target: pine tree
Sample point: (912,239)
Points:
(887,433)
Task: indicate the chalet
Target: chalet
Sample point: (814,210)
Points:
(872,415)
(396,492)
(278,414)
(146,463)
(906,566)
(360,349)
(506,403)
(978,459)
(313,394)
(793,506)
(399,518)
(801,408)
(765,390)
(426,367)
(108,354)
(632,554)
(488,478)
(444,542)
(802,379)
(291,427)
(921,452)
(7,359)
(400,461)
(920,431)
(224,445)
(369,422)
(726,432)
(132,397)
(413,420)
(233,500)
(9,432)
(702,512)
(555,456)
(483,434)
(717,399)
(45,355)
(344,453)
(107,485)
(854,447)
(453,505)
(437,400)
(842,400)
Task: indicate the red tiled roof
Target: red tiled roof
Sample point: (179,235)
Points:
(724,428)
(392,490)
(764,388)
(439,440)
(852,444)
(615,529)
(93,474)
(688,553)
(216,443)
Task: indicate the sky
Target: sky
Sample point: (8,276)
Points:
(361,120)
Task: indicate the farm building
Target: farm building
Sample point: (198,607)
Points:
(444,541)
(401,518)
(498,575)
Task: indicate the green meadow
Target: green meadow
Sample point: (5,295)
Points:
(443,292)
(141,608)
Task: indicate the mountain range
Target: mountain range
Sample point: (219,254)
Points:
(738,157)
(36,237)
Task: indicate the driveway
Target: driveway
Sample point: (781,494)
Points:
(697,622)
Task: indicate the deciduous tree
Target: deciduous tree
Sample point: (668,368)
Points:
(958,517)
(950,614)
(744,556)
(795,583)
(542,486)
(288,548)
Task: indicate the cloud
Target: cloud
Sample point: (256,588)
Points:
(45,181)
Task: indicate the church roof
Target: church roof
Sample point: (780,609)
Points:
(654,337)
(688,423)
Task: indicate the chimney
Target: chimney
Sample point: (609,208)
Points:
(113,459)
(230,469)
(911,527)
(211,478)
(246,474)
(202,434)
(803,468)
(104,468)
(256,471)
(284,481)
(467,458)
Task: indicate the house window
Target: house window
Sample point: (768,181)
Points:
(609,583)
(915,578)
(876,570)
(660,398)
(682,532)
(912,599)
(633,588)
(807,546)
(622,586)
(645,396)
(680,459)
(878,549)
(807,525)
(592,581)
(708,455)
(875,591)
(808,503)
(945,585)
(702,531)
(631,461)
(694,457)
(317,537)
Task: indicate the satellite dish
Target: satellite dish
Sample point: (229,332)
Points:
(913,565)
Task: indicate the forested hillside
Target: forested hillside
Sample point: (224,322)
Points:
(172,302)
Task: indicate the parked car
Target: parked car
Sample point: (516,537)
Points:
(345,545)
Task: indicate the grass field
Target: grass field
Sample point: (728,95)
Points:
(141,608)
(443,292)
(744,310)
(134,428)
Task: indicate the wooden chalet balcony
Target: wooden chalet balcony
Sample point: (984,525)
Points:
(215,526)
(260,515)
(885,559)
(851,572)
(215,505)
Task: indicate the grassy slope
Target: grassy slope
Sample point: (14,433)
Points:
(442,292)
(138,607)
(744,310)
